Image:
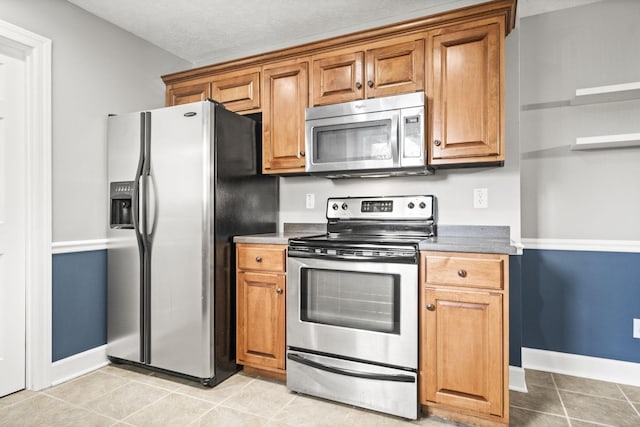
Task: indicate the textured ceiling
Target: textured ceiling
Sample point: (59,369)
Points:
(209,31)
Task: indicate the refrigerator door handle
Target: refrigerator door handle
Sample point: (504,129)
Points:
(152,209)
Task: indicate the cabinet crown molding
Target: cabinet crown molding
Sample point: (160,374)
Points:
(502,8)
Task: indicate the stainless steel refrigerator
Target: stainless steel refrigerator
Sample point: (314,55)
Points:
(183,181)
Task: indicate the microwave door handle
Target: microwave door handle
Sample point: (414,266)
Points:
(349,372)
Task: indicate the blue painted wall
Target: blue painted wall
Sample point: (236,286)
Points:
(515,310)
(581,302)
(79,297)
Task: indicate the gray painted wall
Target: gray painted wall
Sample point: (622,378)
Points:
(97,69)
(453,188)
(579,194)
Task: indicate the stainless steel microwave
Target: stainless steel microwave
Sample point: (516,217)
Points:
(373,137)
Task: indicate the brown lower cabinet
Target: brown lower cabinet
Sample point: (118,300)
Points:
(464,336)
(260,303)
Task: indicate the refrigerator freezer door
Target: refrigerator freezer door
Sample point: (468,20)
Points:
(124,258)
(179,205)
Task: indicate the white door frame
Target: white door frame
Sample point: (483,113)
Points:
(36,53)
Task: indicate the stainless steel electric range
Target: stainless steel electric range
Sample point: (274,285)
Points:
(352,303)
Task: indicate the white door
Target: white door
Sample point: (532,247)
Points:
(12,225)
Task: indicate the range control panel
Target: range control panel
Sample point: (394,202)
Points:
(392,207)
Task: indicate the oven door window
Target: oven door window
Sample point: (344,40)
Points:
(358,300)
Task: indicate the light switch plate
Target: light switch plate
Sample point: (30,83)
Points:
(636,328)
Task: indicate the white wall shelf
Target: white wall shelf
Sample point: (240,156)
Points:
(610,93)
(607,141)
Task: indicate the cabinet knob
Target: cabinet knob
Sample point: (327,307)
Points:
(258,259)
(437,142)
(370,83)
(358,85)
(431,307)
(279,291)
(302,153)
(462,273)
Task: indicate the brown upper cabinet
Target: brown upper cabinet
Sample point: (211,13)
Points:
(238,91)
(286,96)
(466,87)
(386,68)
(189,91)
(456,57)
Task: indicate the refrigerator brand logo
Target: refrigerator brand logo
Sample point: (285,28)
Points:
(190,114)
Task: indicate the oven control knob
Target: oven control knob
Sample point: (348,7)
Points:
(344,206)
(422,205)
(335,206)
(411,205)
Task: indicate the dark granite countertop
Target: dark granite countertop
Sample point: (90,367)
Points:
(450,238)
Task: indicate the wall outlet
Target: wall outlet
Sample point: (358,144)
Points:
(636,328)
(480,198)
(310,200)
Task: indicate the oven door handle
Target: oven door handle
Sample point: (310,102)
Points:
(341,371)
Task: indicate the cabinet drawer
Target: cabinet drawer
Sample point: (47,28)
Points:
(461,269)
(261,258)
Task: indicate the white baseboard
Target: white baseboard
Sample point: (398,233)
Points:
(596,368)
(516,379)
(78,364)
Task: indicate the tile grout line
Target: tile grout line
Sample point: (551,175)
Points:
(561,401)
(538,412)
(78,406)
(628,400)
(146,406)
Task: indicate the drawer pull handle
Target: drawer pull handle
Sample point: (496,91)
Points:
(370,83)
(279,291)
(358,85)
(431,307)
(462,273)
(258,259)
(437,142)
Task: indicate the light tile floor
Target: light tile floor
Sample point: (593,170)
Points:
(126,396)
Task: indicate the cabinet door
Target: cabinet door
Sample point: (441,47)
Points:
(239,91)
(462,345)
(261,319)
(187,93)
(286,95)
(395,69)
(466,79)
(337,78)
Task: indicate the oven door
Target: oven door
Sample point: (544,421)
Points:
(363,311)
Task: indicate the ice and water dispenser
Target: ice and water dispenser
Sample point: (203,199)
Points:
(121,204)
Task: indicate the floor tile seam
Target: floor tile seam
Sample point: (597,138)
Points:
(146,406)
(539,412)
(79,406)
(201,399)
(597,423)
(20,401)
(236,393)
(628,400)
(595,395)
(159,387)
(101,396)
(564,408)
